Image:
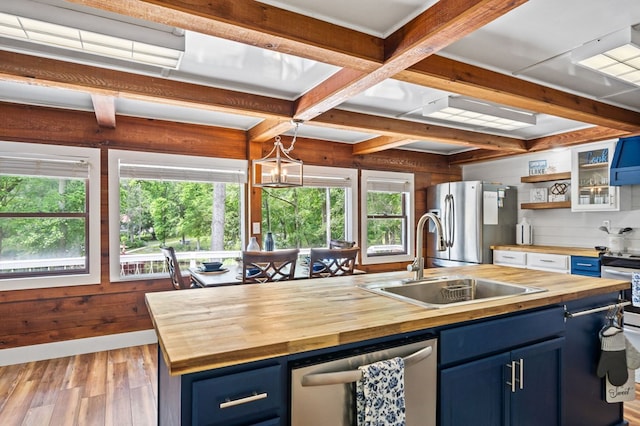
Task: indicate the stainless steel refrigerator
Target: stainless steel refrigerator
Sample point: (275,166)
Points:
(475,215)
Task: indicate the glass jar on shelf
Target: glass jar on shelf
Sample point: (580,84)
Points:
(590,178)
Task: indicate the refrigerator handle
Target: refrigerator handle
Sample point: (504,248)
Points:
(448,220)
(452,228)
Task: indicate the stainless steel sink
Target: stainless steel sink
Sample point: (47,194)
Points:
(450,291)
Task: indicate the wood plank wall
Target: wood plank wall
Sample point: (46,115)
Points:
(56,314)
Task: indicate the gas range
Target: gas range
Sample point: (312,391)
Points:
(623,266)
(629,260)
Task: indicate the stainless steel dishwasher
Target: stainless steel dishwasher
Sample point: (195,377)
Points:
(322,390)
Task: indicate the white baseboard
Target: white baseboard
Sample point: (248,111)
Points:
(75,347)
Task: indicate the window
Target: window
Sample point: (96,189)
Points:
(310,216)
(49,216)
(193,204)
(387,211)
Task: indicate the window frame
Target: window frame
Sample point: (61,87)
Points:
(394,179)
(93,235)
(230,167)
(321,177)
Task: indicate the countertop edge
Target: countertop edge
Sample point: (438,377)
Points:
(569,251)
(417,318)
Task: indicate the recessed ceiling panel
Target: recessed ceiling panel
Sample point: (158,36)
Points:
(392,98)
(238,66)
(379,18)
(44,96)
(158,111)
(309,130)
(435,147)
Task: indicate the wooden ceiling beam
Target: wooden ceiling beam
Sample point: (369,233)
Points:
(268,129)
(446,74)
(416,131)
(577,137)
(104,107)
(264,26)
(258,24)
(380,143)
(48,72)
(477,155)
(442,24)
(561,140)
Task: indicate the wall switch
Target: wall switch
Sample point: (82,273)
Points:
(607,224)
(256,227)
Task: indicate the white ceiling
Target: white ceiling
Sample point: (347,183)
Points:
(532,42)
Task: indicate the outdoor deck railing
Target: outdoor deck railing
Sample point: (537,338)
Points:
(130,264)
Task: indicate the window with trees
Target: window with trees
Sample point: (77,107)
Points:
(310,216)
(194,204)
(49,215)
(387,216)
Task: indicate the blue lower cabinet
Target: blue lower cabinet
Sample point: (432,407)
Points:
(245,398)
(536,398)
(520,387)
(473,393)
(585,265)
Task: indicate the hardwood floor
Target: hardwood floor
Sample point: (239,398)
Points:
(113,388)
(632,409)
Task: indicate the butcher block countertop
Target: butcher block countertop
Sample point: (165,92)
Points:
(570,251)
(207,328)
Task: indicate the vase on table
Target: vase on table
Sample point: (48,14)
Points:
(269,244)
(253,245)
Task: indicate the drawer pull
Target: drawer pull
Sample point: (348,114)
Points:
(588,265)
(546,260)
(240,401)
(509,257)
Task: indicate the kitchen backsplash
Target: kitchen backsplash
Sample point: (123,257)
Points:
(558,227)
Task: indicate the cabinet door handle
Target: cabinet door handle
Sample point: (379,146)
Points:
(512,383)
(520,379)
(521,373)
(240,401)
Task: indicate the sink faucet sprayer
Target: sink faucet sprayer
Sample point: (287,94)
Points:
(418,263)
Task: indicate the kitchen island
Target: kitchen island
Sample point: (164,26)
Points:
(213,329)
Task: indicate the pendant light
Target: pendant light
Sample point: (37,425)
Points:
(278,169)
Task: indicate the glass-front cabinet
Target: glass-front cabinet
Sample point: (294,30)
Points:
(590,189)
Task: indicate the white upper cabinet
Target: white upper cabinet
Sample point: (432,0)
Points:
(590,189)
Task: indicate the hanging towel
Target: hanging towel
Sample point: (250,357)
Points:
(635,289)
(380,394)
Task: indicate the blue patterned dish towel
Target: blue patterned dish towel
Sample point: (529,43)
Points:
(380,394)
(635,289)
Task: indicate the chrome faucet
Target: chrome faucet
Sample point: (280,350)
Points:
(418,263)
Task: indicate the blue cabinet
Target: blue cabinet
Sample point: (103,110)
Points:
(585,265)
(505,389)
(252,394)
(584,399)
(502,372)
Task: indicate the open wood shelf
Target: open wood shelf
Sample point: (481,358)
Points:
(551,205)
(546,177)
